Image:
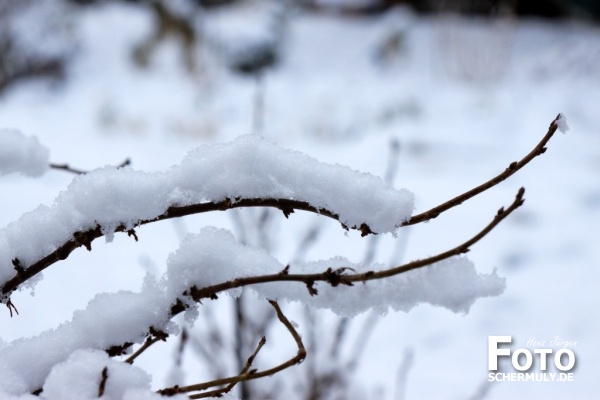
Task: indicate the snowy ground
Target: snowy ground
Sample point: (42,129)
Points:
(331,100)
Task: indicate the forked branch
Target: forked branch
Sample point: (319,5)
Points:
(247,373)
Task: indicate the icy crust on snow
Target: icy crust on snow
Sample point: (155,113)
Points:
(248,167)
(22,154)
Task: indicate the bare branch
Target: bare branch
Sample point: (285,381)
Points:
(361,341)
(67,168)
(149,342)
(246,373)
(509,171)
(339,277)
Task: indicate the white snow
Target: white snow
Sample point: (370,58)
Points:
(213,256)
(79,376)
(23,154)
(329,98)
(562,123)
(126,316)
(248,167)
(452,284)
(210,257)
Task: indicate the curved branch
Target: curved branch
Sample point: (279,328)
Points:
(339,277)
(85,238)
(246,373)
(287,206)
(332,277)
(509,171)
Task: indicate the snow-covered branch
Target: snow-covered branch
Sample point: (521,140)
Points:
(213,262)
(257,174)
(248,172)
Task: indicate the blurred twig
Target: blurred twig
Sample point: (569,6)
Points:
(246,373)
(66,167)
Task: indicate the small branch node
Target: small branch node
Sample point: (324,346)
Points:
(18,267)
(118,350)
(285,271)
(158,334)
(336,277)
(131,232)
(310,285)
(365,230)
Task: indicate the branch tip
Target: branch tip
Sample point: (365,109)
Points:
(515,166)
(11,306)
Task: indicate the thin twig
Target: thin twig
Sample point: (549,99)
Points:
(67,168)
(247,373)
(228,388)
(149,342)
(338,338)
(248,364)
(509,171)
(334,278)
(239,348)
(339,277)
(361,341)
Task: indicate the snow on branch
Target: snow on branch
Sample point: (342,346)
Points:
(249,172)
(246,172)
(22,154)
(561,123)
(449,282)
(212,262)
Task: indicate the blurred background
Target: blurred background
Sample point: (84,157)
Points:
(433,96)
